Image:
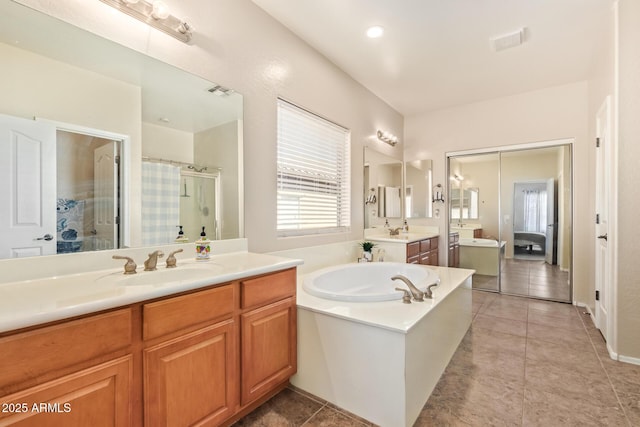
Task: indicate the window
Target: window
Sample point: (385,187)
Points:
(313,173)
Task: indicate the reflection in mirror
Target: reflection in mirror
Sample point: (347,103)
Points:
(465,207)
(102,112)
(383,188)
(418,189)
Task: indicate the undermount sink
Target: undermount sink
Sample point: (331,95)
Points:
(161,276)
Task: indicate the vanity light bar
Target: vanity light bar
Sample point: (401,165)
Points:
(387,137)
(155,14)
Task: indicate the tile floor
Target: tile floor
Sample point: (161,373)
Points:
(523,362)
(535,278)
(529,278)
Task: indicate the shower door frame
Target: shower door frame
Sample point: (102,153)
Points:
(216,176)
(520,147)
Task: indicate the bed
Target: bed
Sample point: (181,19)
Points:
(529,239)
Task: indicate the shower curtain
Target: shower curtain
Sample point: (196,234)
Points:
(160,203)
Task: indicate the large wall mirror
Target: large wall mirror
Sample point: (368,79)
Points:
(383,188)
(102,147)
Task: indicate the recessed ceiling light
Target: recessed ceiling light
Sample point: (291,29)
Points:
(375,32)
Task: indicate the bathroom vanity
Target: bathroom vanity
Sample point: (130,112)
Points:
(208,351)
(413,248)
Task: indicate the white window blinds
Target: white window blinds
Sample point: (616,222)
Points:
(313,173)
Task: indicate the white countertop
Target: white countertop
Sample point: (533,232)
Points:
(33,302)
(392,315)
(401,238)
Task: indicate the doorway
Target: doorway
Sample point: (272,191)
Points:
(524,214)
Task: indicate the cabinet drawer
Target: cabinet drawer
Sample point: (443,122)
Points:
(453,237)
(97,396)
(171,315)
(30,354)
(413,249)
(425,245)
(268,288)
(414,260)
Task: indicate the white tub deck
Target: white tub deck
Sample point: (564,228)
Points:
(381,360)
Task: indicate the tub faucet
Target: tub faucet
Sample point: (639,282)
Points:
(418,295)
(428,293)
(150,263)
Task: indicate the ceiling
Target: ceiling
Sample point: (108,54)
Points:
(437,53)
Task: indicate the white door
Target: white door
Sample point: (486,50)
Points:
(27,188)
(603,182)
(551,222)
(105,196)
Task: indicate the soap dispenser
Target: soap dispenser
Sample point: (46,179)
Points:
(203,246)
(181,237)
(405,227)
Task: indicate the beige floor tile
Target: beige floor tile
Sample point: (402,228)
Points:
(548,409)
(587,385)
(571,321)
(574,338)
(287,408)
(513,327)
(329,417)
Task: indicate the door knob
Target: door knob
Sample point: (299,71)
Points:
(602,236)
(46,237)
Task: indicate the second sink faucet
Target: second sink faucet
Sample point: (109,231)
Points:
(152,261)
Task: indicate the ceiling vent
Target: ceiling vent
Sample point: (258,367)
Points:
(508,40)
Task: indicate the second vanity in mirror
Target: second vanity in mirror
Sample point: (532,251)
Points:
(102,147)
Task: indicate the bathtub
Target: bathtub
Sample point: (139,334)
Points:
(367,282)
(380,360)
(482,255)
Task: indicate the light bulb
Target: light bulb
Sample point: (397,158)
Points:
(375,32)
(160,10)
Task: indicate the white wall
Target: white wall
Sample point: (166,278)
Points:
(628,298)
(549,114)
(165,143)
(217,147)
(236,44)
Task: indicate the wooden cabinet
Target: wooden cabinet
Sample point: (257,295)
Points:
(193,378)
(70,374)
(454,250)
(477,233)
(205,357)
(423,252)
(97,396)
(268,329)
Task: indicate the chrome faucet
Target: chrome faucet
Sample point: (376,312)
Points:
(130,266)
(150,263)
(418,295)
(171,259)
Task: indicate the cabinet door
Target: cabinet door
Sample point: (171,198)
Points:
(269,348)
(433,257)
(192,379)
(97,396)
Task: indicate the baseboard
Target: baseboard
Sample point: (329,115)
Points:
(612,354)
(627,359)
(586,307)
